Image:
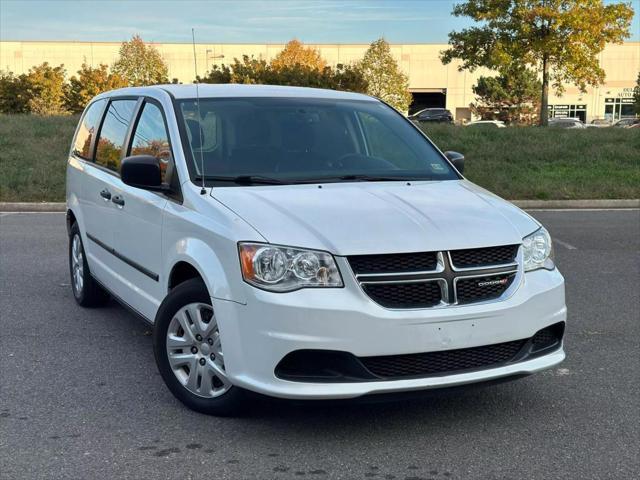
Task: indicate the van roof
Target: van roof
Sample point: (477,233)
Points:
(207,90)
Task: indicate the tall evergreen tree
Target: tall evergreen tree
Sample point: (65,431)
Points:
(512,96)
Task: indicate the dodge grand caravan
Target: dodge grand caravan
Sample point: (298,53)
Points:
(302,243)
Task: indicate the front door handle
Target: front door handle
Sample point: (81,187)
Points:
(106,194)
(118,200)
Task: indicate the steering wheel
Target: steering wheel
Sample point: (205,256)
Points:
(351,160)
(345,160)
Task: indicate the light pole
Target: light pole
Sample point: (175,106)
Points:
(212,57)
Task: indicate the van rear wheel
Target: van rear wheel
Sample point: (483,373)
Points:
(85,289)
(189,354)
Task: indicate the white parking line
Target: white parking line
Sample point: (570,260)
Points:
(566,245)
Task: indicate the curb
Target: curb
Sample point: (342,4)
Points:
(32,207)
(577,204)
(526,204)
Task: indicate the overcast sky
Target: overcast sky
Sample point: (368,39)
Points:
(240,21)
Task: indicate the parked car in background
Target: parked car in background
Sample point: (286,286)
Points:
(487,123)
(599,123)
(566,123)
(626,122)
(439,115)
(348,257)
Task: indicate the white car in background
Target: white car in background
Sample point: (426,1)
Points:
(566,123)
(302,243)
(487,123)
(599,123)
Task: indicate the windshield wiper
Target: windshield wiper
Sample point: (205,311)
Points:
(360,178)
(263,180)
(245,179)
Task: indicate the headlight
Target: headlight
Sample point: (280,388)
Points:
(284,269)
(538,251)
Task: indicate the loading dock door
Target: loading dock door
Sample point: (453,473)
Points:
(428,98)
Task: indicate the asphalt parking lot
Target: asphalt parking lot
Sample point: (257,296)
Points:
(80,396)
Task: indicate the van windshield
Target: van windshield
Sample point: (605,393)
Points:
(298,140)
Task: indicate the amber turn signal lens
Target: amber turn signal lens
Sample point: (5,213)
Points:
(246,262)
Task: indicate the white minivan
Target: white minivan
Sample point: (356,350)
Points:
(302,243)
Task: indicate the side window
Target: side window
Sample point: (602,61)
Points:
(384,143)
(151,138)
(87,129)
(113,133)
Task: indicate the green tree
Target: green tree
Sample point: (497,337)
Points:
(89,83)
(249,71)
(295,53)
(349,78)
(561,39)
(252,70)
(46,90)
(14,93)
(512,96)
(140,64)
(636,95)
(383,76)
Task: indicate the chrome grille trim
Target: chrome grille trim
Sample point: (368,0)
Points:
(447,277)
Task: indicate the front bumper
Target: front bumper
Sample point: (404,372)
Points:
(256,336)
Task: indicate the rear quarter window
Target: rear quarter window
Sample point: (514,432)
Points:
(87,130)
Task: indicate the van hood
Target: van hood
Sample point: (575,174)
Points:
(379,217)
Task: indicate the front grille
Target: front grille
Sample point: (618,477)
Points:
(480,289)
(405,295)
(341,366)
(449,361)
(394,263)
(429,279)
(484,257)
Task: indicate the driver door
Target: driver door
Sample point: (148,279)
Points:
(138,230)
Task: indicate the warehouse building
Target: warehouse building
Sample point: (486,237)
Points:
(431,83)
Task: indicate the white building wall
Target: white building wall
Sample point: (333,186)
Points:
(419,61)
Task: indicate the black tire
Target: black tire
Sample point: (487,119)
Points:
(90,294)
(230,403)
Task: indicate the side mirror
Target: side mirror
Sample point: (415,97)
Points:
(457,159)
(142,171)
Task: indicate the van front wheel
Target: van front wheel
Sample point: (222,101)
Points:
(189,354)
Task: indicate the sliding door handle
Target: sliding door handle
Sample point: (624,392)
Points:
(118,200)
(106,194)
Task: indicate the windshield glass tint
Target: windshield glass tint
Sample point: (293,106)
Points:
(298,139)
